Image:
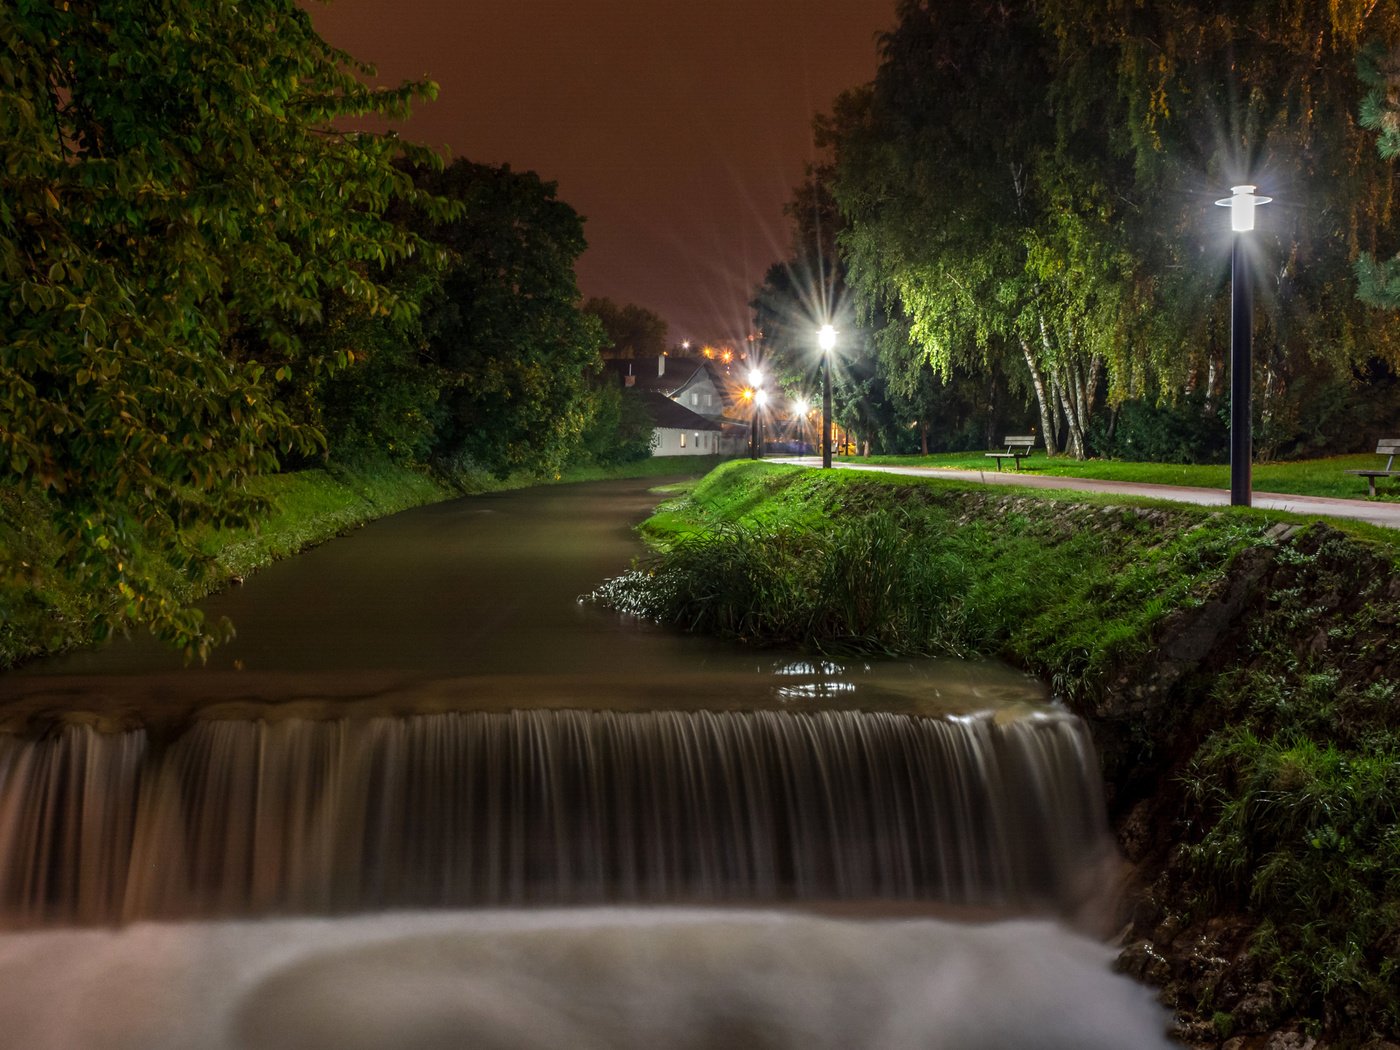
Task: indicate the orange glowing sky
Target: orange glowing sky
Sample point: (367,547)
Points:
(678,128)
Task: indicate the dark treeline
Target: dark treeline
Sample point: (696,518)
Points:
(202,279)
(1015,228)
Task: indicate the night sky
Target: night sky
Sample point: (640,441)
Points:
(677,128)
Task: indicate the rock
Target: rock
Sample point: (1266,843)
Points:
(1141,960)
(1290,1041)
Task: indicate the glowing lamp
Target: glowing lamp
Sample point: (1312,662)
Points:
(1242,203)
(800,407)
(761,398)
(827,336)
(756,377)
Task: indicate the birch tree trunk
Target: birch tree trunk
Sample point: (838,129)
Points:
(1043,399)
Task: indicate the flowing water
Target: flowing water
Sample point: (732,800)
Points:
(423,716)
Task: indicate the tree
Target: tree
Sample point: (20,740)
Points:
(505,326)
(1207,95)
(1379,282)
(632,331)
(174,203)
(962,215)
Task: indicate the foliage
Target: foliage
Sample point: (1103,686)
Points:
(174,203)
(1188,431)
(503,328)
(1378,282)
(620,430)
(630,330)
(1055,227)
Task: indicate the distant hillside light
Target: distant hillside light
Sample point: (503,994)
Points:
(1241,203)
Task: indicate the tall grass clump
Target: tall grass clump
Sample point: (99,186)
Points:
(877,585)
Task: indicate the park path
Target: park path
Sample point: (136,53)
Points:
(1377,513)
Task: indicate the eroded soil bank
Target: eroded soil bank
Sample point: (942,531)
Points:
(1239,672)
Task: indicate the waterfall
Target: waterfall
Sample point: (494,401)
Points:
(294,816)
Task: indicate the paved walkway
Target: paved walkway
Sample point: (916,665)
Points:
(1387,514)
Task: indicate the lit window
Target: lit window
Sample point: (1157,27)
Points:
(682,440)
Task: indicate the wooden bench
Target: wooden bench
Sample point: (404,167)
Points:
(1018,447)
(1389,448)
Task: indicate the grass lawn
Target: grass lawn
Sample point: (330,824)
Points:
(1312,477)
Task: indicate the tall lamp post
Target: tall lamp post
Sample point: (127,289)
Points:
(760,398)
(827,339)
(1241,203)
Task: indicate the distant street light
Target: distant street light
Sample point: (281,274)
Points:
(1241,204)
(827,339)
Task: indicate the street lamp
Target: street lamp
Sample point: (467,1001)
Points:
(1241,203)
(760,398)
(827,339)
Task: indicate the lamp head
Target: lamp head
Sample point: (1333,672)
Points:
(827,338)
(756,377)
(1242,203)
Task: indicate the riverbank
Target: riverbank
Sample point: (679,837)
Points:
(1237,668)
(45,614)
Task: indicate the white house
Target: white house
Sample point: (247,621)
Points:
(687,404)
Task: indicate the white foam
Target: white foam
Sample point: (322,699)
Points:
(581,979)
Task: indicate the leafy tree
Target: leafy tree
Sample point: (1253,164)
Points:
(971,220)
(1208,95)
(1379,282)
(505,327)
(174,203)
(632,331)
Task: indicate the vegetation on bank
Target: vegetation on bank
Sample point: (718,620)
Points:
(46,613)
(1239,669)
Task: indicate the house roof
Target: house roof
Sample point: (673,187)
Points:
(647,374)
(668,414)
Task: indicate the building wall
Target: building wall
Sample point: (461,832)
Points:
(672,442)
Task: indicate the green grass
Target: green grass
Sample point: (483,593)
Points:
(1313,477)
(836,561)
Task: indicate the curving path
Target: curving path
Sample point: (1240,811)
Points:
(1377,513)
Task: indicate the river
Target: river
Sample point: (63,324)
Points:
(426,791)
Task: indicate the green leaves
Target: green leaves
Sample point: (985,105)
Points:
(176,204)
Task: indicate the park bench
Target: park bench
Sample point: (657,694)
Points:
(1018,447)
(1389,448)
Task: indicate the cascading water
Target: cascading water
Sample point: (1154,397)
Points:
(547,807)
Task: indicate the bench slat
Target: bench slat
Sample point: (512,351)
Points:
(1388,446)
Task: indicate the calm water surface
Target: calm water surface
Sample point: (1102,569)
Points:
(474,603)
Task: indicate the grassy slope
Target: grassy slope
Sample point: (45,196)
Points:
(1314,477)
(1256,778)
